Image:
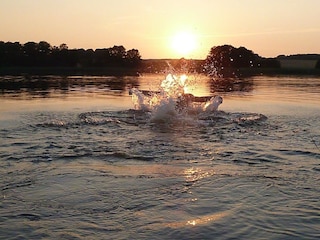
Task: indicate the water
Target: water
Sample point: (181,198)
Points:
(77,162)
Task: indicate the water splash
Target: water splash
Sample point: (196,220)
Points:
(171,101)
(212,104)
(174,86)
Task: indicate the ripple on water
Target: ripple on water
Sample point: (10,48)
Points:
(222,174)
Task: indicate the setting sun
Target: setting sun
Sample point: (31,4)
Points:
(184,43)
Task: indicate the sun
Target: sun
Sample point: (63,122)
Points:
(184,43)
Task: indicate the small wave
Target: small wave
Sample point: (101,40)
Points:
(54,123)
(173,120)
(228,118)
(248,118)
(91,119)
(124,155)
(159,118)
(29,216)
(299,152)
(19,184)
(316,169)
(87,118)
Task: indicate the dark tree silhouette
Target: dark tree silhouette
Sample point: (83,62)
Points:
(42,54)
(101,57)
(31,54)
(11,53)
(224,57)
(133,57)
(63,46)
(117,52)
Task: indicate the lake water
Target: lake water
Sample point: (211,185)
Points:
(77,162)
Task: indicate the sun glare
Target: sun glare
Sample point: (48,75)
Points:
(184,43)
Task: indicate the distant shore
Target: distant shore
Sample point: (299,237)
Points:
(68,71)
(275,71)
(153,66)
(31,58)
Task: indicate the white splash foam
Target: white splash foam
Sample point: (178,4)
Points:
(166,104)
(212,104)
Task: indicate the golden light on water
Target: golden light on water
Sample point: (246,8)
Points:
(194,174)
(200,220)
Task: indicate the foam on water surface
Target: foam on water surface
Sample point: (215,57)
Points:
(171,103)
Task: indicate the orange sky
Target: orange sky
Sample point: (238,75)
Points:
(269,28)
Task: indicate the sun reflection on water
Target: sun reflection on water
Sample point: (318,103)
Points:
(200,220)
(194,174)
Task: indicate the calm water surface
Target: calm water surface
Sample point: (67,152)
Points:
(76,162)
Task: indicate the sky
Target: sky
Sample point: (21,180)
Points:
(156,28)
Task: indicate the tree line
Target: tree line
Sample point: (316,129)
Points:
(224,59)
(42,54)
(221,60)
